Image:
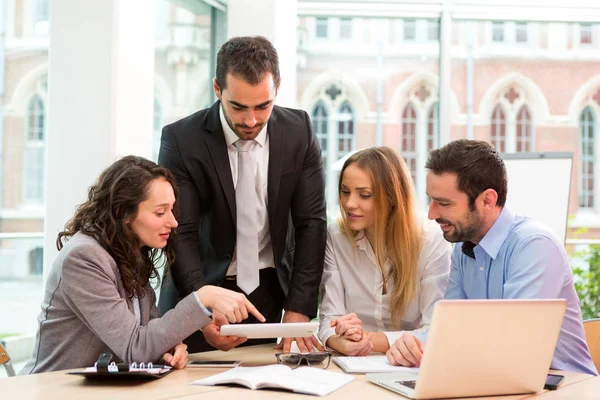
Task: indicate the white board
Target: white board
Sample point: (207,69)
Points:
(539,185)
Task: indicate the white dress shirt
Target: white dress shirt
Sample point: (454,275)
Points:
(352,282)
(260,157)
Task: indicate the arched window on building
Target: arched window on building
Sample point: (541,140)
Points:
(498,129)
(320,121)
(408,147)
(157,124)
(588,135)
(346,137)
(34,151)
(433,141)
(524,134)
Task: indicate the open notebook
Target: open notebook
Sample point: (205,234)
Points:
(305,380)
(104,368)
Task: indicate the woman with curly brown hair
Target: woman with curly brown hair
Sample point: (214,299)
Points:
(98,296)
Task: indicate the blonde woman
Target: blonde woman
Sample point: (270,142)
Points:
(385,267)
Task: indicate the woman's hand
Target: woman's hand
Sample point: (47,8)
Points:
(350,347)
(177,357)
(235,306)
(349,326)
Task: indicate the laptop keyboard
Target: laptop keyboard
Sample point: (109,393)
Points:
(410,384)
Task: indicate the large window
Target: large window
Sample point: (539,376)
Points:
(23,137)
(188,35)
(522,85)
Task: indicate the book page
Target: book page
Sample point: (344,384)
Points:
(251,377)
(306,380)
(310,380)
(362,365)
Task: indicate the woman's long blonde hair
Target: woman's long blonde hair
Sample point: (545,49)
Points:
(397,232)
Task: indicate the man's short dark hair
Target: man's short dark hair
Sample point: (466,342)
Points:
(249,58)
(476,163)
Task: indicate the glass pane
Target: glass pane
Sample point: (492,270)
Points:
(322,27)
(588,159)
(522,34)
(22,154)
(410,29)
(187,36)
(585,35)
(21,289)
(498,31)
(346,28)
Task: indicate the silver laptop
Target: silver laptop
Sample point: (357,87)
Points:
(483,348)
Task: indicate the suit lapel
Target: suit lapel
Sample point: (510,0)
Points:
(274,174)
(217,147)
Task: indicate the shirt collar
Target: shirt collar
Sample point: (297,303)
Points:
(231,137)
(361,240)
(495,237)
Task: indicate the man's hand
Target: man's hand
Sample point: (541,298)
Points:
(351,347)
(235,306)
(305,344)
(407,351)
(349,326)
(177,357)
(212,334)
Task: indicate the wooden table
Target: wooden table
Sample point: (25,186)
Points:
(59,385)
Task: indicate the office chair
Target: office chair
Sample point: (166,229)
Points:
(592,337)
(5,360)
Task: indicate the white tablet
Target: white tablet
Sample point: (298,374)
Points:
(262,331)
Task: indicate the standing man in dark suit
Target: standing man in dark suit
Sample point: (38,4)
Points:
(251,182)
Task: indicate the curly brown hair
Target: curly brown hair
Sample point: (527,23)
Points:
(112,201)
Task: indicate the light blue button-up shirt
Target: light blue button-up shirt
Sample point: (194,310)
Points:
(520,258)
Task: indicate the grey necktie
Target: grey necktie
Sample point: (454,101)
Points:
(247,236)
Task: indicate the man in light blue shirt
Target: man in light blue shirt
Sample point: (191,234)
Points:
(498,255)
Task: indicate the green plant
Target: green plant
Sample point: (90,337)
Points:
(587,282)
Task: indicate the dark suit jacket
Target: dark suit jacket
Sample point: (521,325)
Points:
(195,151)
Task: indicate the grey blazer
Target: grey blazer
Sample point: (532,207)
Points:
(85,312)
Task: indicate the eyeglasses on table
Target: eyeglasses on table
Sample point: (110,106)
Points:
(319,359)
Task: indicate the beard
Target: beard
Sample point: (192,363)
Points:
(464,231)
(238,129)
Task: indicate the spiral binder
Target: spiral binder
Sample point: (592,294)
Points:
(105,368)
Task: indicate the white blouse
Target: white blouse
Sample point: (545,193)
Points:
(352,282)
